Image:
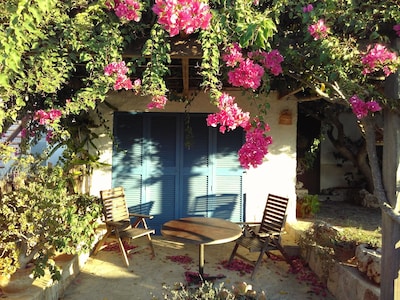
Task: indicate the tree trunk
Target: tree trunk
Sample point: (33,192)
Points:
(356,155)
(390,273)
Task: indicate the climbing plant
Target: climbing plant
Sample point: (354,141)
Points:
(59,59)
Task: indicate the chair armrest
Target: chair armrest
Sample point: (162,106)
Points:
(267,234)
(141,216)
(248,225)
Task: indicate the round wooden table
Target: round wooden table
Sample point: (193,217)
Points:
(201,231)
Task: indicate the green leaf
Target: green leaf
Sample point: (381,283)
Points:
(4,81)
(35,13)
(247,36)
(13,61)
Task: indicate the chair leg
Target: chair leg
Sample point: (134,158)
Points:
(259,260)
(151,245)
(121,247)
(283,252)
(101,243)
(233,253)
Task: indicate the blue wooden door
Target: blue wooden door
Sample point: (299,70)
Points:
(171,170)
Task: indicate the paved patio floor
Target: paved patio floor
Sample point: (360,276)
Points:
(104,276)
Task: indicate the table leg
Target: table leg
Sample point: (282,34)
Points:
(201,260)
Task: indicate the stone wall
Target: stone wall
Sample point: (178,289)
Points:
(344,281)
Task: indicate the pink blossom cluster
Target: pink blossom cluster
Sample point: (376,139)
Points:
(361,108)
(126,9)
(45,117)
(229,118)
(157,101)
(248,75)
(233,55)
(248,72)
(49,136)
(182,15)
(308,8)
(318,30)
(122,81)
(397,29)
(230,115)
(270,60)
(377,58)
(256,146)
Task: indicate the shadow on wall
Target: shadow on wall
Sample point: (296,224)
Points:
(214,205)
(144,208)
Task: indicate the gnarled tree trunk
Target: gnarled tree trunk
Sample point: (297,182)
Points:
(386,189)
(357,155)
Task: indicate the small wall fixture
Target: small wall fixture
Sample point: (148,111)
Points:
(285,117)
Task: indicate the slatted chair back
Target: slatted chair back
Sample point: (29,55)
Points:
(268,235)
(114,205)
(274,217)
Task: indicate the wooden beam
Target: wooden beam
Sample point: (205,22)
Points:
(180,48)
(185,76)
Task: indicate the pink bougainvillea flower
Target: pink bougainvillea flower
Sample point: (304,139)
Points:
(361,108)
(378,58)
(256,146)
(123,82)
(306,275)
(127,10)
(157,101)
(247,75)
(182,259)
(358,106)
(308,8)
(120,69)
(49,136)
(238,265)
(182,15)
(54,114)
(397,29)
(24,133)
(116,67)
(269,60)
(113,246)
(272,61)
(42,116)
(233,55)
(373,106)
(137,85)
(230,115)
(318,30)
(45,117)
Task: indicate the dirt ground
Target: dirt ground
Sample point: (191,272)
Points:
(364,222)
(345,214)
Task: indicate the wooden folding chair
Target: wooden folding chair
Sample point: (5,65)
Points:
(268,235)
(121,224)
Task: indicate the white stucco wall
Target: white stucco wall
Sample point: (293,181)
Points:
(276,175)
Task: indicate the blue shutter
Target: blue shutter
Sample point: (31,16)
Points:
(161,178)
(195,169)
(227,193)
(170,174)
(127,163)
